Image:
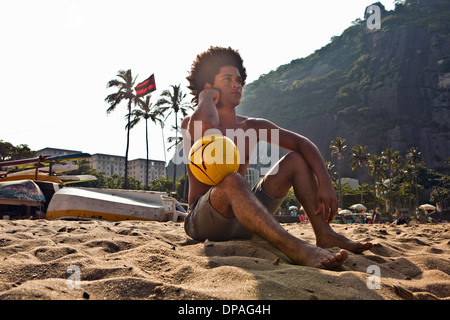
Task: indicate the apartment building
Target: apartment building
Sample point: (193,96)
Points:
(111,164)
(108,164)
(137,167)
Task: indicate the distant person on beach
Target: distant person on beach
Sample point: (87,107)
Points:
(231,209)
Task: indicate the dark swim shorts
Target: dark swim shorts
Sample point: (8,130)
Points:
(204,222)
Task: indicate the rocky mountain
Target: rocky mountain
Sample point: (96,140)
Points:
(380,88)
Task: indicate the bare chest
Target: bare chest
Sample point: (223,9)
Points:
(245,139)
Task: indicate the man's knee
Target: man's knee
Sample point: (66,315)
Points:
(287,164)
(233,180)
(293,161)
(294,157)
(222,193)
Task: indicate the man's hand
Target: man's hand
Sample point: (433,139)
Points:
(210,92)
(327,203)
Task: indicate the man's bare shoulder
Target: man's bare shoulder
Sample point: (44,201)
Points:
(185,122)
(255,123)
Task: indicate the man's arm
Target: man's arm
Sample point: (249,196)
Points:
(206,111)
(295,142)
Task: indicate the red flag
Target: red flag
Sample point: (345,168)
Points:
(146,86)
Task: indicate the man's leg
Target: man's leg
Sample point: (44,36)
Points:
(293,171)
(234,198)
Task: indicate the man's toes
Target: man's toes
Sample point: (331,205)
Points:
(343,255)
(335,260)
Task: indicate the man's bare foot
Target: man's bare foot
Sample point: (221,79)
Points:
(328,260)
(333,239)
(307,254)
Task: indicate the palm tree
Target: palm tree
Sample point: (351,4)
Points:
(414,160)
(409,174)
(145,112)
(396,165)
(358,158)
(338,146)
(125,84)
(389,155)
(161,123)
(414,156)
(330,168)
(172,101)
(376,170)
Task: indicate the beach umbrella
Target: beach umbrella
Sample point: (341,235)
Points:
(293,208)
(427,206)
(344,212)
(358,206)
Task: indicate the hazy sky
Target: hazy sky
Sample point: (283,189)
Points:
(57,56)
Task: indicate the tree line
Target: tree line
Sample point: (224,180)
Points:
(396,181)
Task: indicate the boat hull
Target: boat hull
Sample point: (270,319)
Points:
(21,199)
(21,192)
(110,205)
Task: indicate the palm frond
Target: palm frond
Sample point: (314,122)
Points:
(114,83)
(111,109)
(166,93)
(163,101)
(113,100)
(133,122)
(124,74)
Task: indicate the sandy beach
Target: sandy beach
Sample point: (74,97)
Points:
(100,260)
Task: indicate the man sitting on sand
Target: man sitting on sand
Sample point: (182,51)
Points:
(231,209)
